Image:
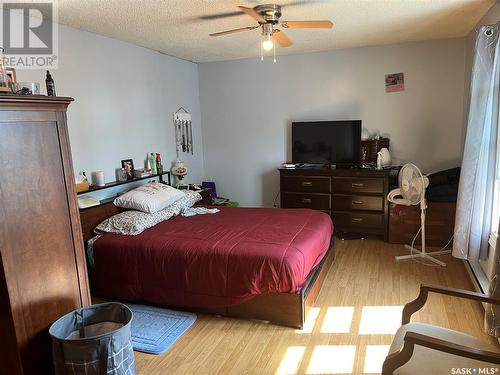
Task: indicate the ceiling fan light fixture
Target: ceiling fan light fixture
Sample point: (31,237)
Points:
(268,18)
(267,43)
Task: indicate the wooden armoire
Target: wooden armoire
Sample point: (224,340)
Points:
(42,261)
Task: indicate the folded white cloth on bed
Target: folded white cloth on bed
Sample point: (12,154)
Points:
(191,211)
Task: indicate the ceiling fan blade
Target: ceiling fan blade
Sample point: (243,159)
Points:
(252,13)
(221,15)
(234,30)
(281,38)
(302,3)
(323,24)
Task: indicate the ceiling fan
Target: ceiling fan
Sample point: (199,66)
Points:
(268,16)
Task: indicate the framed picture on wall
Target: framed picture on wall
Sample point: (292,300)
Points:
(394,82)
(128,166)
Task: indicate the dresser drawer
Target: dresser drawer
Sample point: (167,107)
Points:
(306,184)
(348,185)
(352,220)
(314,201)
(358,203)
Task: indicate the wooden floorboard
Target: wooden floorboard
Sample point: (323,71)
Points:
(363,275)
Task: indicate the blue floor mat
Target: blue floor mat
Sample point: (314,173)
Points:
(155,329)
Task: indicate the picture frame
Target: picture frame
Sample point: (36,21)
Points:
(128,166)
(11,75)
(394,82)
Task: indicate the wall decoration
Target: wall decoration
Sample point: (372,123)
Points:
(394,82)
(183,132)
(128,166)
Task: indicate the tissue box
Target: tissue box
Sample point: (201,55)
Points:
(82,186)
(139,173)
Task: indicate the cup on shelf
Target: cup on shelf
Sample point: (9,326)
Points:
(98,178)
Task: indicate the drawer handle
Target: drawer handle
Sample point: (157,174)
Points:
(306,200)
(307,183)
(357,220)
(357,202)
(357,185)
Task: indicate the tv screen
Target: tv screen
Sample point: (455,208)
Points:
(326,142)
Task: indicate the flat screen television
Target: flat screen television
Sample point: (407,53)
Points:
(326,142)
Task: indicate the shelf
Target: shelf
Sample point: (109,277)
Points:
(118,183)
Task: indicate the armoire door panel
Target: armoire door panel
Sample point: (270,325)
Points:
(74,211)
(40,233)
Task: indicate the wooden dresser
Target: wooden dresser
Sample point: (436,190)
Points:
(42,261)
(355,198)
(404,223)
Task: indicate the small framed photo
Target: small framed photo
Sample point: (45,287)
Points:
(11,75)
(128,166)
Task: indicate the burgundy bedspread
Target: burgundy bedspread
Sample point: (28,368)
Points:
(213,260)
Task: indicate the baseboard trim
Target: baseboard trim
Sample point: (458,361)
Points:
(480,285)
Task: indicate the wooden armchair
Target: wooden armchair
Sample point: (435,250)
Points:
(420,348)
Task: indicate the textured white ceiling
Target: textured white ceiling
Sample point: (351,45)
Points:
(175,27)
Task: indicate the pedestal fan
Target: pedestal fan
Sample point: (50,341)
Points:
(412,185)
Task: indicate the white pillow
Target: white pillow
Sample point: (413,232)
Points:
(149,198)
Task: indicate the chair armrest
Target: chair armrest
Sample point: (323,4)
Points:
(398,359)
(415,305)
(452,348)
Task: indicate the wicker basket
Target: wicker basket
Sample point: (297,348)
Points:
(82,186)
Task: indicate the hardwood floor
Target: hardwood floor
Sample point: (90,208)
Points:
(357,311)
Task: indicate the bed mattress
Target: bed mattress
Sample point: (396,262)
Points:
(213,260)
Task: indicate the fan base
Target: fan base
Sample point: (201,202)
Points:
(423,255)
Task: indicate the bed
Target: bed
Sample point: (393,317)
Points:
(259,263)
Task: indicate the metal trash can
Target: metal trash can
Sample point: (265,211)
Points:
(94,340)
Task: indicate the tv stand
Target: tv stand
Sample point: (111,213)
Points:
(356,199)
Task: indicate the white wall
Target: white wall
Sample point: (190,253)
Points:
(125,97)
(247,108)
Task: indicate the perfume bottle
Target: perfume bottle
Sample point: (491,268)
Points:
(51,87)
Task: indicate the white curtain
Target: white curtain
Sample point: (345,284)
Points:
(477,178)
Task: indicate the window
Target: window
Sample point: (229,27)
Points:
(496,195)
(496,209)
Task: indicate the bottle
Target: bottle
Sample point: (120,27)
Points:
(51,87)
(159,166)
(148,163)
(379,160)
(152,162)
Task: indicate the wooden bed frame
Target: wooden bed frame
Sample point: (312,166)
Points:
(288,309)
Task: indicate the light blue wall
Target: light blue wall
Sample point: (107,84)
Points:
(125,97)
(247,108)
